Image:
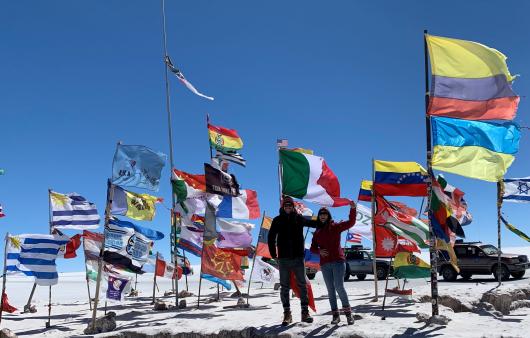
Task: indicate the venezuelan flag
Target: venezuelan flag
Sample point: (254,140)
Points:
(365,193)
(469,81)
(400,179)
(223,139)
(475,149)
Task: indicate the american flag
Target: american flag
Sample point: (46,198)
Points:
(282,143)
(353,237)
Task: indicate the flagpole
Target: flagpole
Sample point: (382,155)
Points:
(254,258)
(48,323)
(374,242)
(499,205)
(154,279)
(432,247)
(4,277)
(173,237)
(280,173)
(110,196)
(86,277)
(183,255)
(28,304)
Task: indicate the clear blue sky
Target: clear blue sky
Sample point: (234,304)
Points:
(344,78)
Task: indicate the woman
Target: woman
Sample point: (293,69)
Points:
(326,242)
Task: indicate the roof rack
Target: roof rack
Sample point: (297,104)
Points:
(461,241)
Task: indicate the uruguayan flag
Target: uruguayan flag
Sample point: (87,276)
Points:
(516,189)
(73,211)
(34,255)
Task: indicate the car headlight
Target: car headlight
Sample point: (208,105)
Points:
(514,260)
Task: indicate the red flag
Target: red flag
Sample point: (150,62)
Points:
(221,264)
(164,269)
(69,251)
(5,304)
(388,244)
(296,290)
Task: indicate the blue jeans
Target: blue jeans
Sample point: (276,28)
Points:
(297,267)
(334,277)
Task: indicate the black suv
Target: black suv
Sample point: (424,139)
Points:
(476,258)
(359,262)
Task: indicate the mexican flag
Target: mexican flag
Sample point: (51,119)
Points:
(308,177)
(187,185)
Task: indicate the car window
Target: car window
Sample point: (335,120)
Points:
(460,251)
(366,255)
(490,249)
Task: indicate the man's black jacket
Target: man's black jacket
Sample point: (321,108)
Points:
(287,234)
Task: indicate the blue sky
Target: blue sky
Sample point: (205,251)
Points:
(343,78)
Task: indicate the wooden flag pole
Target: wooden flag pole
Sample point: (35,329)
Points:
(28,304)
(254,258)
(86,277)
(499,204)
(374,242)
(48,323)
(110,196)
(432,247)
(4,277)
(154,280)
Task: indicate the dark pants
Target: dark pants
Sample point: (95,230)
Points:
(297,267)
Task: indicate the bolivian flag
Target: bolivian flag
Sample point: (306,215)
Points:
(224,140)
(407,265)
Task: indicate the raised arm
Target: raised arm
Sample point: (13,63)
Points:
(351,219)
(271,239)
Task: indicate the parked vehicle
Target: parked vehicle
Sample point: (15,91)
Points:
(476,258)
(359,263)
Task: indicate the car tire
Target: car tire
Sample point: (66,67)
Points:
(466,275)
(381,271)
(347,273)
(518,274)
(448,273)
(361,276)
(311,276)
(505,273)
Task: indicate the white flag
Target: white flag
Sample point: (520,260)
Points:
(363,225)
(264,272)
(517,190)
(182,79)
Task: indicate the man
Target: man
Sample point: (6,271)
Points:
(287,234)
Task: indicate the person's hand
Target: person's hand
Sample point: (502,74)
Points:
(352,204)
(324,252)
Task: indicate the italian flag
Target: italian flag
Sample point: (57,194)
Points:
(308,177)
(187,185)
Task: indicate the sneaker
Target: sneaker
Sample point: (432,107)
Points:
(306,317)
(336,318)
(287,318)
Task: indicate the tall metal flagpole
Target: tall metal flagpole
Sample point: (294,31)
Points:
(432,248)
(173,237)
(374,242)
(48,323)
(4,277)
(500,188)
(254,258)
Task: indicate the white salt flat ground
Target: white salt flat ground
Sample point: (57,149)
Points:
(70,313)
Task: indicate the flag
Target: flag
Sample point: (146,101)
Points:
(311,259)
(224,140)
(1,211)
(475,149)
(233,234)
(244,206)
(115,287)
(182,79)
(137,166)
(443,221)
(69,249)
(447,247)
(34,255)
(167,270)
(73,211)
(296,290)
(469,81)
(388,244)
(302,209)
(264,272)
(303,150)
(190,240)
(363,224)
(6,306)
(263,247)
(282,143)
(187,186)
(236,158)
(400,179)
(210,230)
(515,230)
(352,237)
(219,182)
(92,248)
(515,190)
(151,234)
(308,177)
(407,265)
(409,227)
(365,192)
(221,264)
(136,206)
(217,280)
(458,204)
(402,207)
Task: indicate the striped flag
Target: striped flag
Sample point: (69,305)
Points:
(516,190)
(232,157)
(352,237)
(182,79)
(34,255)
(73,211)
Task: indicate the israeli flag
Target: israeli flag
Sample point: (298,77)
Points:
(517,190)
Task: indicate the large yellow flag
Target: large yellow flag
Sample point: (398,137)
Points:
(136,206)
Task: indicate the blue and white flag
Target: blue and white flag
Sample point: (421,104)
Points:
(516,190)
(34,255)
(226,284)
(137,166)
(115,287)
(73,211)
